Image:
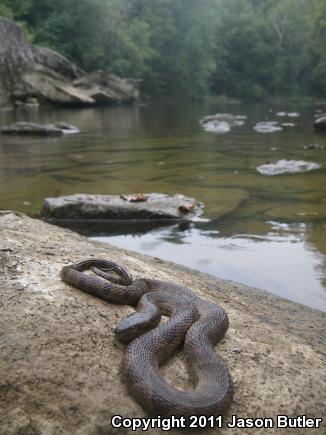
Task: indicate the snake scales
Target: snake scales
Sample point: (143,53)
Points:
(196,323)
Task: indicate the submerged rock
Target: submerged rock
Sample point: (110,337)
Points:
(67,128)
(152,206)
(267,127)
(289,114)
(221,122)
(320,123)
(301,211)
(28,71)
(227,117)
(287,166)
(313,146)
(217,126)
(31,128)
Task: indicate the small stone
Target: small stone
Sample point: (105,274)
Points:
(236,350)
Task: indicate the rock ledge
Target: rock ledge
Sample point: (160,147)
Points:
(60,362)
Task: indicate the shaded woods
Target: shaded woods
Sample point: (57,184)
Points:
(240,48)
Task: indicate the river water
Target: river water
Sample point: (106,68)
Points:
(264,231)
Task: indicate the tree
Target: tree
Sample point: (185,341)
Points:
(289,24)
(318,52)
(5,11)
(244,53)
(182,37)
(245,48)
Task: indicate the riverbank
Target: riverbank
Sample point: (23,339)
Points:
(61,367)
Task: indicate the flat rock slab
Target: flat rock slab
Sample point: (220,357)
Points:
(31,128)
(151,206)
(60,362)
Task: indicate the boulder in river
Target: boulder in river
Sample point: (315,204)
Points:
(267,127)
(28,71)
(289,114)
(313,146)
(226,117)
(66,128)
(286,166)
(29,103)
(34,129)
(221,122)
(217,126)
(320,123)
(144,207)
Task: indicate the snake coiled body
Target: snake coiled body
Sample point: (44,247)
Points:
(193,321)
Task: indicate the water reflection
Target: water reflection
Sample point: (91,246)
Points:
(281,261)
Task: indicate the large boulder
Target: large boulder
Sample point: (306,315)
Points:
(50,60)
(16,57)
(151,206)
(104,87)
(30,71)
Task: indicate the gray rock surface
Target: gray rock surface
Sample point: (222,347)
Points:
(30,71)
(286,167)
(218,117)
(151,206)
(221,122)
(313,146)
(16,57)
(320,123)
(267,127)
(34,129)
(104,87)
(60,365)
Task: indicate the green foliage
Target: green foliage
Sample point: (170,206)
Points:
(245,48)
(14,8)
(244,53)
(182,36)
(318,47)
(5,10)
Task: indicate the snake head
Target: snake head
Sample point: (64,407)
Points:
(135,325)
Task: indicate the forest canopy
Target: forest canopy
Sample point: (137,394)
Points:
(241,48)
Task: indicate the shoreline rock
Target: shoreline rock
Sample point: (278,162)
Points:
(60,365)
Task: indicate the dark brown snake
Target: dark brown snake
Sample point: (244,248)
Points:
(193,321)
